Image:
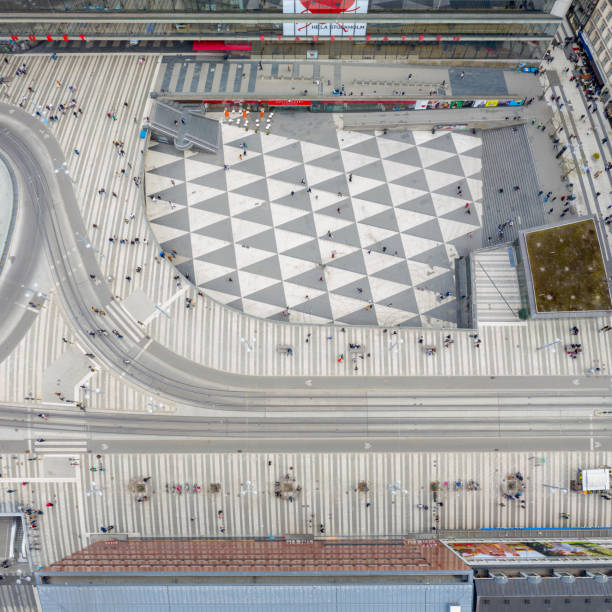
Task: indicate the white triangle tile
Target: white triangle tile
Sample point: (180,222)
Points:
(279,189)
(475,186)
(422,137)
(237,179)
(470,165)
(362,209)
(200,245)
(422,272)
(322,199)
(395,170)
(246,257)
(163,233)
(401,194)
(239,203)
(198,193)
(160,209)
(288,240)
(360,185)
(307,318)
(376,261)
(464,142)
(454,229)
(231,132)
(260,309)
(444,204)
(382,289)
(202,218)
(368,234)
(251,283)
(432,156)
(342,305)
(352,161)
(389,317)
(283,214)
(389,147)
(348,139)
(311,151)
(451,251)
(415,245)
(336,278)
(325,223)
(291,266)
(316,175)
(231,156)
(274,165)
(206,271)
(296,294)
(195,169)
(271,142)
(156,159)
(427,300)
(338,250)
(407,219)
(219,296)
(155,183)
(437,180)
(243,229)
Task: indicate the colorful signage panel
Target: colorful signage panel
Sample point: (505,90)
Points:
(312,27)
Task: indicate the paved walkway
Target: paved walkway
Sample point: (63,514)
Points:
(328,494)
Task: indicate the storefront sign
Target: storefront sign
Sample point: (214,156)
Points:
(312,27)
(33,38)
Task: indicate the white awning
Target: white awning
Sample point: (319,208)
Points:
(596,480)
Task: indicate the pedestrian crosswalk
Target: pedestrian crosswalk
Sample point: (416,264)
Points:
(59,446)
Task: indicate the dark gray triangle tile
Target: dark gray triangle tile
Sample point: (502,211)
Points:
(253,142)
(352,262)
(302,225)
(409,156)
(475,152)
(452,165)
(411,322)
(291,175)
(178,219)
(324,133)
(221,230)
(308,251)
(372,171)
(300,200)
(210,158)
(311,279)
(416,180)
(363,316)
(224,285)
(265,241)
(335,184)
(258,214)
(440,284)
(379,194)
(216,180)
(389,246)
(291,152)
(186,269)
(333,161)
(405,136)
(430,230)
(461,216)
(168,149)
(441,143)
(254,165)
(352,290)
(436,257)
(177,194)
(365,147)
(266,267)
(318,307)
(447,311)
(346,210)
(274,295)
(256,189)
(180,244)
(175,170)
(404,300)
(385,220)
(346,235)
(422,204)
(397,273)
(219,205)
(224,256)
(236,305)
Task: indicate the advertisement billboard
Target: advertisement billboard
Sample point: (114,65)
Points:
(311,27)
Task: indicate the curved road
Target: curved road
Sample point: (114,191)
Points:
(33,151)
